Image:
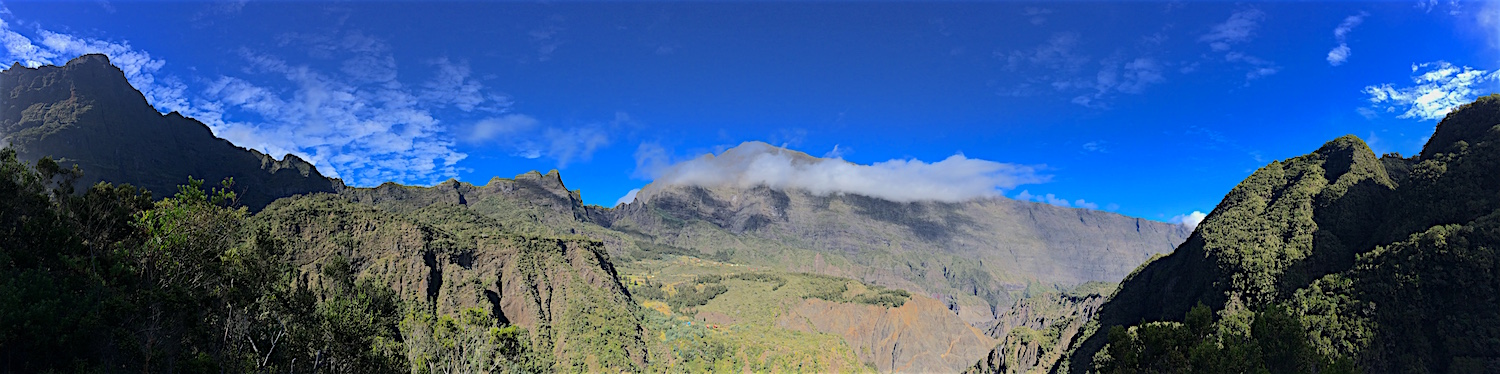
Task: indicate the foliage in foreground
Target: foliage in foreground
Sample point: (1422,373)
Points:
(107,280)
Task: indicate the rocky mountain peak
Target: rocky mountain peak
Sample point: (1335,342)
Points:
(86,113)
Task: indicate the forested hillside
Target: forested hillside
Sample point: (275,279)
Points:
(108,280)
(1332,262)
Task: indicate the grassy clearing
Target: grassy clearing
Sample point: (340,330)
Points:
(736,329)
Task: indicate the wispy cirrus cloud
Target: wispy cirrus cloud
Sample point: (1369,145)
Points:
(1341,53)
(1438,88)
(359,122)
(1059,65)
(1051,199)
(527,137)
(1241,27)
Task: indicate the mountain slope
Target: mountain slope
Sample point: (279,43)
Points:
(974,255)
(1387,264)
(85,113)
(525,252)
(564,291)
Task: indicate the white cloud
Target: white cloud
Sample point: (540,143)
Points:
(20,49)
(628,198)
(954,179)
(1056,64)
(837,152)
(1058,201)
(1258,67)
(578,143)
(489,129)
(1348,25)
(651,160)
(453,84)
(1053,199)
(1084,204)
(1439,87)
(1190,220)
(527,137)
(359,123)
(1239,28)
(1339,54)
(1488,19)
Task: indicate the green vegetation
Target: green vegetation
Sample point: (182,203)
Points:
(106,280)
(1331,262)
(457,270)
(1273,341)
(737,329)
(837,290)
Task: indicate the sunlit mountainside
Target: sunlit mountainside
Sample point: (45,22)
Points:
(316,187)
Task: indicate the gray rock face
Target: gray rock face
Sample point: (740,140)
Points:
(972,254)
(85,113)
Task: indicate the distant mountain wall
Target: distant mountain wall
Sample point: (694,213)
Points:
(972,254)
(87,114)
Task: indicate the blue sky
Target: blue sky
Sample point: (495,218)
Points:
(1150,109)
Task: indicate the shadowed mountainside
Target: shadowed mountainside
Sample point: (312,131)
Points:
(86,114)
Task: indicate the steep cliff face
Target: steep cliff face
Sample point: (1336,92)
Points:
(1036,332)
(86,113)
(1385,263)
(973,255)
(565,291)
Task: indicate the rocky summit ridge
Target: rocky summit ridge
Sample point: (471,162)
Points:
(86,113)
(976,255)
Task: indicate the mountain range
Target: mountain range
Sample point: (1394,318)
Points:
(1331,262)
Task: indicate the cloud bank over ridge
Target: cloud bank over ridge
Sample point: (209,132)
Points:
(954,179)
